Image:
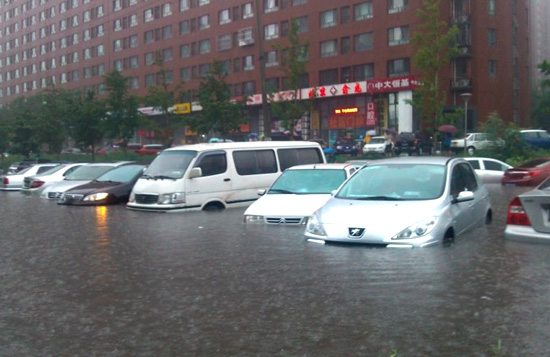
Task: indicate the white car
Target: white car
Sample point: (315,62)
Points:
(376,145)
(488,170)
(474,141)
(14,182)
(34,185)
(297,193)
(80,176)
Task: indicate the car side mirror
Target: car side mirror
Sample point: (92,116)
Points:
(195,172)
(261,192)
(464,196)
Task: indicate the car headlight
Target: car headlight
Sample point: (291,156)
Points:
(172,198)
(417,230)
(315,227)
(100,196)
(132,197)
(252,219)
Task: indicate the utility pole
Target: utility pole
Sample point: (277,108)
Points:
(261,57)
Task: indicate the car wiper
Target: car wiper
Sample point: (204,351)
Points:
(147,176)
(279,190)
(378,198)
(162,177)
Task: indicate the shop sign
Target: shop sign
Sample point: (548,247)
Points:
(346,122)
(150,111)
(394,84)
(335,90)
(181,108)
(346,110)
(372,120)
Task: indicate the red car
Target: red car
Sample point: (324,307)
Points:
(150,149)
(530,173)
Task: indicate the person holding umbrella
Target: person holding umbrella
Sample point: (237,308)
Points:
(389,142)
(446,143)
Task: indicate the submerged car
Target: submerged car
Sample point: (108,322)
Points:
(80,176)
(489,170)
(297,193)
(34,185)
(404,202)
(110,188)
(530,173)
(14,182)
(528,213)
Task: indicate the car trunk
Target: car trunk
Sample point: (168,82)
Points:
(537,206)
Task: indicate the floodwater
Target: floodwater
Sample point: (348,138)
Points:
(107,281)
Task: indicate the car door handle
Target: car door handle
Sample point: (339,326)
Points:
(226,179)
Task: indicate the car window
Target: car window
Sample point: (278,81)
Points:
(462,179)
(493,166)
(121,174)
(310,181)
(51,170)
(86,173)
(212,164)
(69,171)
(474,163)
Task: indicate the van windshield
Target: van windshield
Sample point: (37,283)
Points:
(170,164)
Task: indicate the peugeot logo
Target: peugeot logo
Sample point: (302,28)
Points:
(356,232)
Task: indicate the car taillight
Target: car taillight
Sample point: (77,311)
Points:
(36,183)
(6,181)
(533,173)
(516,214)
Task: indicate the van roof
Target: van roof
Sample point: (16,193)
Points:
(246,145)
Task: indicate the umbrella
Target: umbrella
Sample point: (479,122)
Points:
(447,128)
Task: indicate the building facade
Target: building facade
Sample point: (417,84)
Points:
(359,63)
(540,37)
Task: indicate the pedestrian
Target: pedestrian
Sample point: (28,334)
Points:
(389,143)
(446,144)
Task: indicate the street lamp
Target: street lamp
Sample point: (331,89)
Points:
(466,97)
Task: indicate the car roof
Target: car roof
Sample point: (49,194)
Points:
(244,145)
(423,160)
(327,166)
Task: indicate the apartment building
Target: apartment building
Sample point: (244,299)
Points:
(540,37)
(360,55)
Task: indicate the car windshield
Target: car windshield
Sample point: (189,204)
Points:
(170,164)
(52,170)
(88,172)
(535,163)
(377,141)
(308,182)
(395,182)
(121,174)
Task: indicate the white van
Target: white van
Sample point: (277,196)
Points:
(217,175)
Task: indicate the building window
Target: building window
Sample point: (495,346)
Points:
(362,42)
(167,55)
(398,67)
(397,6)
(184,74)
(204,46)
(185,51)
(248,63)
(298,2)
(362,11)
(204,22)
(149,58)
(184,27)
(117,45)
(149,80)
(363,72)
(492,69)
(184,5)
(133,83)
(328,77)
(302,24)
(491,7)
(398,35)
(345,74)
(249,88)
(167,32)
(134,63)
(224,42)
(271,31)
(328,48)
(328,19)
(247,10)
(492,36)
(345,43)
(204,69)
(224,16)
(271,59)
(166,10)
(271,5)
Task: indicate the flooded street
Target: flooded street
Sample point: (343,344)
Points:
(85,281)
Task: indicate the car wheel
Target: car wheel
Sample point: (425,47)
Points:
(489,217)
(471,150)
(449,237)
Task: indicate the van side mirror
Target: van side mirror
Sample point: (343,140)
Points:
(195,172)
(464,196)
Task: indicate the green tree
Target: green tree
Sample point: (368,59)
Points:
(161,97)
(540,104)
(88,123)
(434,44)
(219,114)
(25,113)
(544,68)
(122,114)
(55,117)
(6,127)
(506,140)
(289,108)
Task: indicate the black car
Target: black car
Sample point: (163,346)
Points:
(405,143)
(346,146)
(112,187)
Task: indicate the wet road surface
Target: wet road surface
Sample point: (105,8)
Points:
(84,281)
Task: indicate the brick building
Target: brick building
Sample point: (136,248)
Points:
(360,57)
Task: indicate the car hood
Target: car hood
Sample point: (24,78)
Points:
(63,186)
(95,186)
(378,216)
(289,205)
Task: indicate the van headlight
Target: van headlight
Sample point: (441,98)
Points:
(417,230)
(100,196)
(315,227)
(172,198)
(253,219)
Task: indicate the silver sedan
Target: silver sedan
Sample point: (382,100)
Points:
(404,202)
(529,215)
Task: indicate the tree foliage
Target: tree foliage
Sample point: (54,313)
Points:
(54,120)
(25,113)
(434,47)
(544,68)
(88,124)
(122,115)
(220,114)
(290,108)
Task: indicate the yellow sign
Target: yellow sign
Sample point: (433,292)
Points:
(182,108)
(346,110)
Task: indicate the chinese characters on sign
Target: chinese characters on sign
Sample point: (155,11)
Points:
(391,85)
(371,115)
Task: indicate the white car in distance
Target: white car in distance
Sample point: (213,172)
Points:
(489,170)
(297,193)
(376,145)
(34,185)
(14,182)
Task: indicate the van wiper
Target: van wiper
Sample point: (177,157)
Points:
(280,190)
(162,177)
(147,176)
(381,198)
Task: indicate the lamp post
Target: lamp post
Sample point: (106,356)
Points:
(466,97)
